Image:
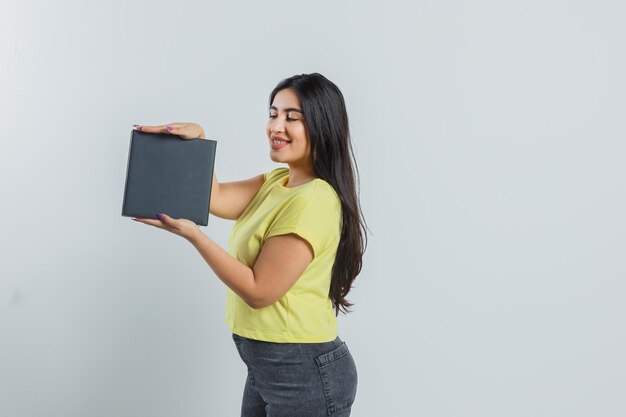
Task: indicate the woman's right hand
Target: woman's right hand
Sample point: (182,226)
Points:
(184,130)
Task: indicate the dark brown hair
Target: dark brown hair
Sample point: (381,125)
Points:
(326,121)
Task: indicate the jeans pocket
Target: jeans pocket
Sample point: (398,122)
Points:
(339,378)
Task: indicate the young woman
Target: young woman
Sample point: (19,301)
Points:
(293,253)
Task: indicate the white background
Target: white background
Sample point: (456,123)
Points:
(490,139)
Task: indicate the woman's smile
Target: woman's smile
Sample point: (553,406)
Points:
(279,142)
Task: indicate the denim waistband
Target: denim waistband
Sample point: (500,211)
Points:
(237,337)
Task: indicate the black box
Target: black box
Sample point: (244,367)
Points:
(169,174)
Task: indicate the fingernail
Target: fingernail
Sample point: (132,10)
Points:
(159,216)
(170,128)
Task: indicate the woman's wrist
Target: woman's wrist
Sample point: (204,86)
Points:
(195,236)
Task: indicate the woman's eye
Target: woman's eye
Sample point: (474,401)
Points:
(289,119)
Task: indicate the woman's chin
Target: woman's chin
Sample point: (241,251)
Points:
(276,158)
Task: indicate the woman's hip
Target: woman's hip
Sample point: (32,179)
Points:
(300,374)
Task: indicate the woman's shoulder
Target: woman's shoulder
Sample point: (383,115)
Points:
(317,191)
(319,195)
(326,191)
(275,174)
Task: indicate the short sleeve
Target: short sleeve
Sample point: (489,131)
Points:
(313,216)
(270,177)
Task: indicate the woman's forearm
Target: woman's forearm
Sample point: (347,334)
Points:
(237,276)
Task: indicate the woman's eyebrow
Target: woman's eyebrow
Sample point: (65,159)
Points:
(288,109)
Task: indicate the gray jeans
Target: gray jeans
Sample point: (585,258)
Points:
(297,379)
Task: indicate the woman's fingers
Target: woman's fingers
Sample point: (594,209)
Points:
(153,129)
(184,130)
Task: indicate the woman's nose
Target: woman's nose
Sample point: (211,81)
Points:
(277,126)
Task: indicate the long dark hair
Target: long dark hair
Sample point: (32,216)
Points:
(326,121)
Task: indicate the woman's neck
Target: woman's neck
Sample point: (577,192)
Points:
(299,176)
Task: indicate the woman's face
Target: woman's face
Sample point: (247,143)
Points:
(288,138)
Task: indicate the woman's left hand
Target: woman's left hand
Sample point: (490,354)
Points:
(182,227)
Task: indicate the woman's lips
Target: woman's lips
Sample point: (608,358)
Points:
(279,144)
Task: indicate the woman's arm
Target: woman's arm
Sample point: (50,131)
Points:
(281,262)
(230,199)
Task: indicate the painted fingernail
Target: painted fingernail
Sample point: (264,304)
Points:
(170,128)
(159,216)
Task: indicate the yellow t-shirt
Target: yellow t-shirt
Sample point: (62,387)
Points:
(312,211)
